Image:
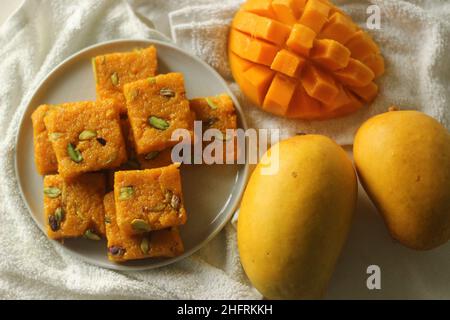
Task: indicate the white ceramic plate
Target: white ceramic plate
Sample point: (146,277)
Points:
(211,193)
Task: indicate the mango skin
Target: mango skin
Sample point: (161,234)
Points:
(292,225)
(403,162)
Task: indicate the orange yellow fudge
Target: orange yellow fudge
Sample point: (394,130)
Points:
(86,137)
(156,108)
(113,71)
(148,200)
(121,247)
(44,156)
(74,208)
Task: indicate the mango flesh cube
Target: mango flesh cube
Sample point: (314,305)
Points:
(252,49)
(315,15)
(330,54)
(261,27)
(148,200)
(257,82)
(286,11)
(338,28)
(355,74)
(301,39)
(376,63)
(352,106)
(113,71)
(303,106)
(288,63)
(362,45)
(324,50)
(104,148)
(260,7)
(340,100)
(156,108)
(74,206)
(44,156)
(367,93)
(164,243)
(279,95)
(319,84)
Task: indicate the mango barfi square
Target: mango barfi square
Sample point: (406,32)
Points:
(148,200)
(218,113)
(154,159)
(86,137)
(164,243)
(74,208)
(156,108)
(44,156)
(113,71)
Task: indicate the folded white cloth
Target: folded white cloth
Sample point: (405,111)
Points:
(38,37)
(414,39)
(415,42)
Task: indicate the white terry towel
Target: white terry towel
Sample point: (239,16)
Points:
(32,42)
(414,39)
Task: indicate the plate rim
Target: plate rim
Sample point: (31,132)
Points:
(241,188)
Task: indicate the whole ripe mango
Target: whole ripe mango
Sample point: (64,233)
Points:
(293,224)
(403,161)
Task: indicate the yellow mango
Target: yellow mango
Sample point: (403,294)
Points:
(403,161)
(294,222)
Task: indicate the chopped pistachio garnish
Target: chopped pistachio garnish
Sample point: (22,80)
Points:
(89,234)
(54,136)
(167,93)
(126,193)
(145,245)
(74,153)
(87,135)
(152,155)
(158,123)
(52,192)
(140,225)
(211,103)
(115,79)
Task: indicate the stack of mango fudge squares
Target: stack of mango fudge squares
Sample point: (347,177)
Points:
(107,164)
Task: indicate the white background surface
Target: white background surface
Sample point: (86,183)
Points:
(404,273)
(7,7)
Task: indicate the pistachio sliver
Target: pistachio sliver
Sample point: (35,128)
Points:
(140,225)
(52,192)
(145,245)
(54,136)
(211,103)
(152,155)
(126,193)
(175,202)
(158,123)
(89,234)
(152,80)
(74,153)
(59,214)
(87,135)
(167,93)
(115,79)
